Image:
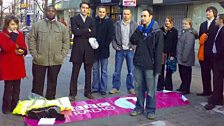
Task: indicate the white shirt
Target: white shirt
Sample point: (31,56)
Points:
(83,17)
(209,23)
(214,50)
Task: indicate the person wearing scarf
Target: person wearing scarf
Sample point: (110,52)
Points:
(12,65)
(147,63)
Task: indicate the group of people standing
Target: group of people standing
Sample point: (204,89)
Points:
(148,49)
(211,57)
(48,42)
(182,49)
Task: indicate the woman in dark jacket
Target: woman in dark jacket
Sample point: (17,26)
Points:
(169,53)
(186,55)
(12,66)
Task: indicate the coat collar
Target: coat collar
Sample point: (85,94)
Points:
(5,31)
(47,20)
(79,15)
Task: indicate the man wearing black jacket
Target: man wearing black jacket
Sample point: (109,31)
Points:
(147,63)
(218,58)
(210,29)
(104,34)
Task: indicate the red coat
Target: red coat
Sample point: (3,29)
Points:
(12,66)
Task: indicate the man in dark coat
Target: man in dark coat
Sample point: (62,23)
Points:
(104,34)
(147,63)
(83,28)
(209,28)
(218,69)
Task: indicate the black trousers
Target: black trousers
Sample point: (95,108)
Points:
(11,95)
(206,68)
(217,96)
(185,76)
(74,78)
(165,81)
(39,73)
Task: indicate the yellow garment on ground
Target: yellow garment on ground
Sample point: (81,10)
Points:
(26,105)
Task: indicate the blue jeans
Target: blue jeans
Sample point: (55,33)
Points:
(145,82)
(119,58)
(100,77)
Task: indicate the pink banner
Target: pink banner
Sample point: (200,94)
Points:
(105,107)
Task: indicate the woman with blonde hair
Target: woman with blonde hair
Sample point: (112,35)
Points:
(169,54)
(186,55)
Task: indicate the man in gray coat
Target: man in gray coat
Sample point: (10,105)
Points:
(48,44)
(124,49)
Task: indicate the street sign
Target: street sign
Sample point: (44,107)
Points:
(23,6)
(129,3)
(30,12)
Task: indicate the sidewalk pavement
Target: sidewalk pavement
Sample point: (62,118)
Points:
(191,115)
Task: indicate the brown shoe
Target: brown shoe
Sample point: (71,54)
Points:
(114,91)
(72,98)
(89,96)
(132,91)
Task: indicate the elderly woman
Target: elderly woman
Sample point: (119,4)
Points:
(186,55)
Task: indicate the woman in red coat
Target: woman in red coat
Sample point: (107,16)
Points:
(12,67)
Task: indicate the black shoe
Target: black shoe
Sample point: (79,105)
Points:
(169,89)
(95,91)
(6,111)
(89,96)
(179,90)
(185,92)
(72,98)
(203,94)
(209,106)
(159,89)
(103,93)
(219,103)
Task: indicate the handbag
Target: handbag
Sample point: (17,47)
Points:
(93,42)
(171,65)
(14,37)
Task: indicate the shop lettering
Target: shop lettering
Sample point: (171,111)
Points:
(93,108)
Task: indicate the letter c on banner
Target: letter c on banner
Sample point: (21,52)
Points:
(124,103)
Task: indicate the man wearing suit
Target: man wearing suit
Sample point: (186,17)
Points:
(210,29)
(218,50)
(83,28)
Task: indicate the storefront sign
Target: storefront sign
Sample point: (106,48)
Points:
(105,1)
(23,6)
(129,3)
